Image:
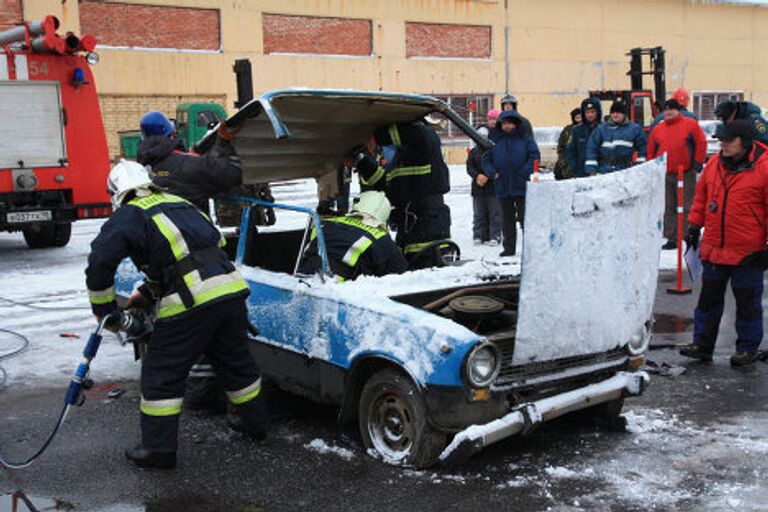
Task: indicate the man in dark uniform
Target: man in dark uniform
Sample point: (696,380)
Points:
(358,243)
(194,177)
(729,110)
(416,178)
(200,306)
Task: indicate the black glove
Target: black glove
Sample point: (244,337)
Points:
(692,237)
(758,259)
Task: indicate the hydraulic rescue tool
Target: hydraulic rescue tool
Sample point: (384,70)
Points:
(135,330)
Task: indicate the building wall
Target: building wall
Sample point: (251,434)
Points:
(558,49)
(10,13)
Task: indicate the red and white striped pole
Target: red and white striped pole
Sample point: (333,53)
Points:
(679,289)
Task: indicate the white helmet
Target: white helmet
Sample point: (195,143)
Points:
(374,207)
(125,177)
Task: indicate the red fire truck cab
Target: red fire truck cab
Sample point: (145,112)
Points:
(54,159)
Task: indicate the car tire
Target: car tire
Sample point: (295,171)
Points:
(393,421)
(51,235)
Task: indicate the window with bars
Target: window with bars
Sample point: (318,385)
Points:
(704,103)
(473,108)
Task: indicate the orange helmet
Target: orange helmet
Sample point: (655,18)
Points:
(682,97)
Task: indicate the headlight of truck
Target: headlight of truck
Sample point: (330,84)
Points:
(639,341)
(481,367)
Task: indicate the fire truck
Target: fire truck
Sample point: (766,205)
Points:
(54,159)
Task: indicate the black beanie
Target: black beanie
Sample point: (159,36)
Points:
(575,112)
(619,106)
(672,104)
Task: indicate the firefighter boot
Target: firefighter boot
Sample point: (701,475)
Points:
(250,418)
(143,458)
(696,351)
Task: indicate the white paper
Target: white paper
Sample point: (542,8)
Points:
(692,259)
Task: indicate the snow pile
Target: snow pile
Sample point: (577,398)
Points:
(590,262)
(323,448)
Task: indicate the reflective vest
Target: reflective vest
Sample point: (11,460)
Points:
(189,288)
(346,251)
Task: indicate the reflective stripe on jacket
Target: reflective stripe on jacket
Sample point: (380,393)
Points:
(174,244)
(611,147)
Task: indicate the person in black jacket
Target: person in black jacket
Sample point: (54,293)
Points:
(486,222)
(194,177)
(200,304)
(358,243)
(416,180)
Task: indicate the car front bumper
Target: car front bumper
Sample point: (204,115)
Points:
(526,416)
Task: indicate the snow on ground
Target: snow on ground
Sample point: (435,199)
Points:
(323,448)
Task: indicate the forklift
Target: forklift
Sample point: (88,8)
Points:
(642,105)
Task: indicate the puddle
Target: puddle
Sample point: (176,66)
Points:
(671,324)
(21,502)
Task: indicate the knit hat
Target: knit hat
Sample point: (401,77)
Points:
(619,106)
(575,112)
(672,104)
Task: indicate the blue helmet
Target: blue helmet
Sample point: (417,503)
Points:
(156,123)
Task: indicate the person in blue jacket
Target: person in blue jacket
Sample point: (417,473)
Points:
(613,144)
(510,162)
(591,117)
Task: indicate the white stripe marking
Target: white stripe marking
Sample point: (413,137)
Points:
(3,67)
(679,209)
(22,71)
(614,143)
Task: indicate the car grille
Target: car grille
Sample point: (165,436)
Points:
(519,374)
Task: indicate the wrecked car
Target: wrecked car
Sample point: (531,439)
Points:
(436,364)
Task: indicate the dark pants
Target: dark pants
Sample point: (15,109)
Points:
(670,202)
(512,212)
(486,222)
(747,286)
(421,225)
(218,332)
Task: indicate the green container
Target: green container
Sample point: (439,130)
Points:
(129,143)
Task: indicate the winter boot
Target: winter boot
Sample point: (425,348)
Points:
(143,458)
(671,244)
(251,418)
(743,358)
(696,352)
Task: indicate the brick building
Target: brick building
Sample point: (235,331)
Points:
(155,54)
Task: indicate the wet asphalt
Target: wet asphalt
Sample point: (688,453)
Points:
(699,443)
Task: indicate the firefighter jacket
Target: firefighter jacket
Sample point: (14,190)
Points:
(354,248)
(612,146)
(684,142)
(731,203)
(174,244)
(752,113)
(511,159)
(577,148)
(417,169)
(194,177)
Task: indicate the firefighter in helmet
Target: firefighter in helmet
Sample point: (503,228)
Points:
(415,178)
(358,243)
(200,304)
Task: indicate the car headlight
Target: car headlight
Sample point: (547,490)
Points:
(639,341)
(481,367)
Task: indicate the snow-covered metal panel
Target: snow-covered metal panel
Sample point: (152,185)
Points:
(590,262)
(31,127)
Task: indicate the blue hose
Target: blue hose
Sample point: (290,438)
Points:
(73,392)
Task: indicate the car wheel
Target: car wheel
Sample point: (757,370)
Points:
(393,421)
(51,235)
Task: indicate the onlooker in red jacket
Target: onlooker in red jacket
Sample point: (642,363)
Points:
(684,142)
(731,204)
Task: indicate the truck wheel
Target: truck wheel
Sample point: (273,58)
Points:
(393,421)
(51,235)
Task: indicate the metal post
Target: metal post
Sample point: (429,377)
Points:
(679,289)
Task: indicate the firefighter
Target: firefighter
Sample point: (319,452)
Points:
(416,179)
(358,243)
(729,110)
(731,205)
(577,149)
(613,144)
(200,304)
(194,177)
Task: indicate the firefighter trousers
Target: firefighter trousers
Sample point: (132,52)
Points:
(747,285)
(219,332)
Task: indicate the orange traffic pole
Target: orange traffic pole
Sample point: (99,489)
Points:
(679,289)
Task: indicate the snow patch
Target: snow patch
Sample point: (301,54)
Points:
(323,448)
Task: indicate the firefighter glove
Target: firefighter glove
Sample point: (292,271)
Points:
(692,237)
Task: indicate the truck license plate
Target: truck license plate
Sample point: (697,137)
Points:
(36,216)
